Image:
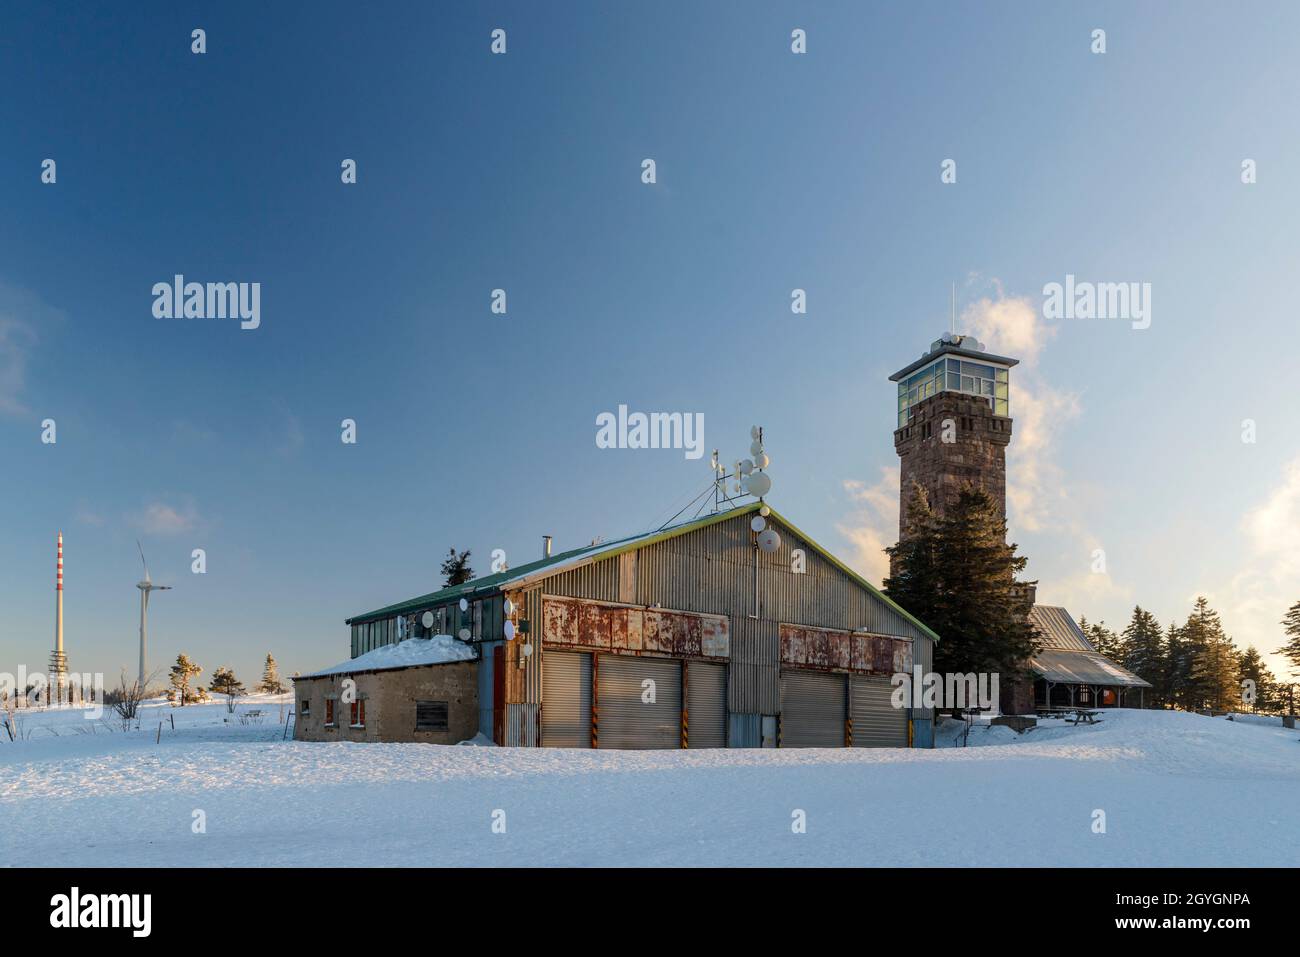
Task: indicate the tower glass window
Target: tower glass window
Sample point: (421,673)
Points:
(954,375)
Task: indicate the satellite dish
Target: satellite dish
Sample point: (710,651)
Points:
(427,619)
(509,631)
(746,466)
(527,650)
(762,461)
(753,432)
(758,484)
(464,634)
(769,541)
(756,448)
(509,606)
(764,511)
(464,605)
(758,524)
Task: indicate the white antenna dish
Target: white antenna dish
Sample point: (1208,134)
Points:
(753,432)
(464,634)
(427,619)
(758,484)
(769,541)
(464,605)
(509,631)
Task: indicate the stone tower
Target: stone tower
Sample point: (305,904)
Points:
(954,423)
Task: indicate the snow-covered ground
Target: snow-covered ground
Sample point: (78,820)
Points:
(1176,789)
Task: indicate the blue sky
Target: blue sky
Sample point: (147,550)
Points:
(775,171)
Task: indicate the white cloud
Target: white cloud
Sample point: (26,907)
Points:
(16,341)
(21,313)
(873,526)
(1259,595)
(161,518)
(1038,496)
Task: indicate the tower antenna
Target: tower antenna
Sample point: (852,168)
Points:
(954,308)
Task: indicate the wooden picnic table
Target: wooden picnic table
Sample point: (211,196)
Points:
(1073,715)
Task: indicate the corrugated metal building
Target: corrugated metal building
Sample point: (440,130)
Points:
(689,636)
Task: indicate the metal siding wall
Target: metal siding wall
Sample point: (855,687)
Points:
(922,733)
(812,710)
(744,730)
(521,725)
(711,570)
(706,705)
(566,711)
(876,722)
(485,688)
(626,721)
(923,655)
(755,685)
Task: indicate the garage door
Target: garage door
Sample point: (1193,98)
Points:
(706,705)
(566,700)
(876,722)
(625,718)
(812,710)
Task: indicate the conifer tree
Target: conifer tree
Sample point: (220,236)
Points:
(182,673)
(958,575)
(1105,641)
(456,569)
(1291,650)
(1172,686)
(224,682)
(270,683)
(1142,650)
(1251,667)
(1213,674)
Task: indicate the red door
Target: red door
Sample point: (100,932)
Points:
(499,694)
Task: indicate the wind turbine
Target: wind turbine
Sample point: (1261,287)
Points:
(145,587)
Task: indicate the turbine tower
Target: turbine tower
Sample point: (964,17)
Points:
(58,661)
(145,587)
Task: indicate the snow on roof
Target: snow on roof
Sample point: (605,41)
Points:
(410,653)
(1085,668)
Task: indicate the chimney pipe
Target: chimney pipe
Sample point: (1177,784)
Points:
(546,546)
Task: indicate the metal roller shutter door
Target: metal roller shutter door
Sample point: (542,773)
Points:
(625,721)
(812,710)
(876,722)
(706,705)
(566,700)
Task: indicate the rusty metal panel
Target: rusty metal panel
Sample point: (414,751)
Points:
(902,656)
(882,654)
(595,627)
(560,621)
(715,637)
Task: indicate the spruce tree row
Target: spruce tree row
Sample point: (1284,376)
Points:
(957,574)
(186,690)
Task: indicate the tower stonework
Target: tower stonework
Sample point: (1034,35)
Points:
(954,425)
(976,454)
(953,428)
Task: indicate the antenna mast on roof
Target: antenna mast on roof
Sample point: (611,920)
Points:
(746,477)
(954,308)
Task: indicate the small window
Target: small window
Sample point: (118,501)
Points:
(430,716)
(359,713)
(304,708)
(329,712)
